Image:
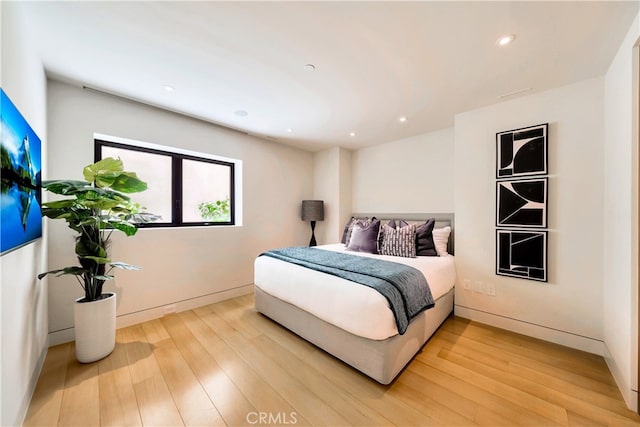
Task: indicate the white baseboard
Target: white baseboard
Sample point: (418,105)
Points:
(629,395)
(556,336)
(123,320)
(33,381)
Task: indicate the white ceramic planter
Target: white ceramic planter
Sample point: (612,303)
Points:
(95,328)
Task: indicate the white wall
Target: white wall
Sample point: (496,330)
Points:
(332,183)
(412,175)
(23,298)
(621,215)
(182,266)
(568,309)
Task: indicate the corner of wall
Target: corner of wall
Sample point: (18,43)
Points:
(23,301)
(332,183)
(629,394)
(620,258)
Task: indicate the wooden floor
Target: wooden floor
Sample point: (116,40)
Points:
(225,364)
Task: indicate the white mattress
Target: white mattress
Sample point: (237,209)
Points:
(355,308)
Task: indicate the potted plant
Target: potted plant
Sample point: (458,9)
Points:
(94,209)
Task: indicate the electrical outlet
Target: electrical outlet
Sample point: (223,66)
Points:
(478,287)
(491,289)
(467,284)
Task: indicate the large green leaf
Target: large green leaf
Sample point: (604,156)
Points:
(85,248)
(102,204)
(110,173)
(57,213)
(95,193)
(142,218)
(59,204)
(124,266)
(125,227)
(97,259)
(105,169)
(128,182)
(76,271)
(65,187)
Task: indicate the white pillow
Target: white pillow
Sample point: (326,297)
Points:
(440,239)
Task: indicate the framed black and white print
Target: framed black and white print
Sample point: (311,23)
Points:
(522,254)
(522,152)
(522,203)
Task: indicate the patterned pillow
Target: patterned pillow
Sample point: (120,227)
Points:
(399,242)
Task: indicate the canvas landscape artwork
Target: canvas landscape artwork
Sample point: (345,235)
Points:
(20,151)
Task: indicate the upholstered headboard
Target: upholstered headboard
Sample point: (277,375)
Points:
(442,220)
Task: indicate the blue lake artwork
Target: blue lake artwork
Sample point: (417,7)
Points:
(20,153)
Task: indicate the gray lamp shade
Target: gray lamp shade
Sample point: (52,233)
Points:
(312,210)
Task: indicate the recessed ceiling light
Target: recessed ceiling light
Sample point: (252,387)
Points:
(352,134)
(310,67)
(289,130)
(241,113)
(168,88)
(402,119)
(506,39)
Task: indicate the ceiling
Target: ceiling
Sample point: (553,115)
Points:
(374,61)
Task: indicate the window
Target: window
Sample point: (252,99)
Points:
(185,189)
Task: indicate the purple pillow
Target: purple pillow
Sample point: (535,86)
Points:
(424,238)
(346,235)
(364,237)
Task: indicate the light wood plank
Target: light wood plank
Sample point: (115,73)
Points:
(227,398)
(585,364)
(194,405)
(485,399)
(227,364)
(44,409)
(118,405)
(575,403)
(354,411)
(552,412)
(155,401)
(154,331)
(261,395)
(493,356)
(370,393)
(80,400)
(311,407)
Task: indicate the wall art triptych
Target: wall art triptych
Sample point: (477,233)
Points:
(522,185)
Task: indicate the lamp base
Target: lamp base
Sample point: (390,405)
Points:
(313,236)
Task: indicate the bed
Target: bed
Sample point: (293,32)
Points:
(353,322)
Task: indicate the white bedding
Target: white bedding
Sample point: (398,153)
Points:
(355,308)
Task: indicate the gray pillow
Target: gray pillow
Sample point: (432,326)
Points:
(364,237)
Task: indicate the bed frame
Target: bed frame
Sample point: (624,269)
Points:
(381,360)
